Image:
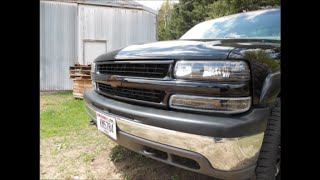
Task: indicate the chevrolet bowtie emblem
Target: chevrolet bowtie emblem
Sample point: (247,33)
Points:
(114,81)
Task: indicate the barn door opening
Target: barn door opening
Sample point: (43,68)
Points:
(92,49)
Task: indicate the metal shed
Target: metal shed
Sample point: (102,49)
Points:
(76,32)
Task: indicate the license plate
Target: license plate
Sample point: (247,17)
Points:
(107,124)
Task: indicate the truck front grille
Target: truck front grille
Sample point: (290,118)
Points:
(134,69)
(132,93)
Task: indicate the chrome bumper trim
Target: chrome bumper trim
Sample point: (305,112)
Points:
(226,154)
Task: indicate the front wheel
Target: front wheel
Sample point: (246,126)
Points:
(268,165)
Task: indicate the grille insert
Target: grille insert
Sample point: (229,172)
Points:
(133,93)
(136,70)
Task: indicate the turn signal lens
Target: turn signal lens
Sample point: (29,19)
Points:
(210,104)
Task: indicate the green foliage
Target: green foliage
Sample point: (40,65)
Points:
(163,18)
(182,16)
(227,7)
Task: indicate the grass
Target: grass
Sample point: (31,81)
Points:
(61,114)
(70,147)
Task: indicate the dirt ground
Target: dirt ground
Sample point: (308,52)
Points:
(91,155)
(71,148)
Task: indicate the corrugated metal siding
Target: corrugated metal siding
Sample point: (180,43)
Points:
(118,26)
(57,44)
(64,27)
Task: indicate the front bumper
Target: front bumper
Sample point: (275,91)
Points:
(218,156)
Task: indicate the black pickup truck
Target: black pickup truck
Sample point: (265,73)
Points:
(208,102)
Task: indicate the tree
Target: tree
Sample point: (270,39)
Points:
(187,13)
(163,19)
(227,7)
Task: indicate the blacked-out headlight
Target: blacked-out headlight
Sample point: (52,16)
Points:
(212,70)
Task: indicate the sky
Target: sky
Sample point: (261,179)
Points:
(155,4)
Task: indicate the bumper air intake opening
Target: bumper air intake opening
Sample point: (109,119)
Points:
(175,159)
(190,163)
(155,153)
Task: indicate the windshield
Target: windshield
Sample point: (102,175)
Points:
(263,24)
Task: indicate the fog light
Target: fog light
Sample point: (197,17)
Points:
(210,104)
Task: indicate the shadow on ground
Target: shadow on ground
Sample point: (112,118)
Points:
(135,166)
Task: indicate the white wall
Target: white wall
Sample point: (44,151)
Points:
(118,27)
(65,26)
(57,44)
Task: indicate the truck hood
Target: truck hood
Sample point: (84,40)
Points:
(188,49)
(179,49)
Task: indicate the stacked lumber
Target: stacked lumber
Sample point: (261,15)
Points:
(80,74)
(79,86)
(80,71)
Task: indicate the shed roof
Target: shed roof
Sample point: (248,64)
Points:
(130,4)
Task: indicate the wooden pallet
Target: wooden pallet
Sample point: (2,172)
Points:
(80,74)
(79,71)
(78,66)
(79,86)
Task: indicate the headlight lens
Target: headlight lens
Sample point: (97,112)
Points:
(210,104)
(212,70)
(93,67)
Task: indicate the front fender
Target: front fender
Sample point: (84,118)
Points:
(271,88)
(265,70)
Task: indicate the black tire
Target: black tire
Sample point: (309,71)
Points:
(269,158)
